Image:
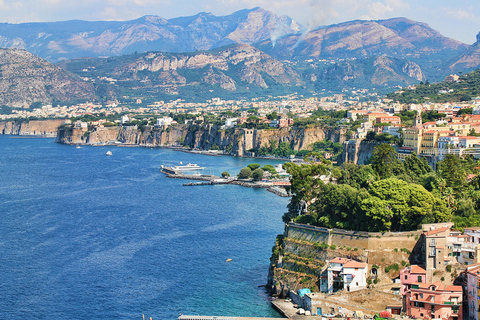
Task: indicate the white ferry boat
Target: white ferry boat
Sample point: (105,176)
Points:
(188,167)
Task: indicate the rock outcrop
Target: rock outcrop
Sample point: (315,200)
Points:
(44,128)
(25,78)
(239,142)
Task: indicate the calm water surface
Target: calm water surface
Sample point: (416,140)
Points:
(86,236)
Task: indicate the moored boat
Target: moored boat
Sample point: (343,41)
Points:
(188,167)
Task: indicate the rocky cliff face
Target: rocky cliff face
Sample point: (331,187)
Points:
(44,128)
(470,60)
(234,141)
(358,151)
(25,78)
(230,68)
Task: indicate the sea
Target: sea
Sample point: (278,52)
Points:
(89,236)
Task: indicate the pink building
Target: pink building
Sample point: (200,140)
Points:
(434,301)
(409,275)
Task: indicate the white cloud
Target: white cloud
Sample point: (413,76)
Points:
(460,14)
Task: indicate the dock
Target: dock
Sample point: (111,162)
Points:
(274,187)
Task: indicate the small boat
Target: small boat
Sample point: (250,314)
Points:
(109,153)
(229,260)
(78,147)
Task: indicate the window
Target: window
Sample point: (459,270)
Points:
(421,295)
(432,251)
(432,242)
(406,277)
(419,279)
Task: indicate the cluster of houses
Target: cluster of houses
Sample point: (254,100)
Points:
(432,140)
(282,121)
(425,292)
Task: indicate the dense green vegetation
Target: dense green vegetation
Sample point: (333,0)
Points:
(467,88)
(390,194)
(255,171)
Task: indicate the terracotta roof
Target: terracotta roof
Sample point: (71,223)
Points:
(454,288)
(355,264)
(474,270)
(435,231)
(417,269)
(339,260)
(440,247)
(473,228)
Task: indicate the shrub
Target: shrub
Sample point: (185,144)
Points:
(225,174)
(245,173)
(333,247)
(396,250)
(449,268)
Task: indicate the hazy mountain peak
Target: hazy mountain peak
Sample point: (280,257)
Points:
(153,19)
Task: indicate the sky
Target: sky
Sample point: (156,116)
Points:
(459,19)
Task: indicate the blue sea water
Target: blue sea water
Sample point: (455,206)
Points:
(86,236)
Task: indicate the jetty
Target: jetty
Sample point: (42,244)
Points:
(210,180)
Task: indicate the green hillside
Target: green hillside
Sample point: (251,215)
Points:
(466,88)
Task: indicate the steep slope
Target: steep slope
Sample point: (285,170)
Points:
(378,72)
(470,60)
(232,68)
(73,39)
(397,38)
(25,78)
(393,37)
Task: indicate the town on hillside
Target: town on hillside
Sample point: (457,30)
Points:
(442,282)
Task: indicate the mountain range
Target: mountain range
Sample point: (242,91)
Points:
(248,53)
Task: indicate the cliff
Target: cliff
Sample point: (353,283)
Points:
(236,141)
(358,151)
(45,128)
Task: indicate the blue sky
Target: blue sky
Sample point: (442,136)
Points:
(459,19)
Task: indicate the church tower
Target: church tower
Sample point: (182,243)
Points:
(418,119)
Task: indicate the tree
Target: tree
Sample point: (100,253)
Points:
(384,160)
(257,174)
(454,171)
(403,206)
(269,168)
(272,116)
(253,166)
(416,167)
(305,187)
(225,174)
(245,173)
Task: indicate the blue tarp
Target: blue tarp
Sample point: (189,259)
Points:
(302,292)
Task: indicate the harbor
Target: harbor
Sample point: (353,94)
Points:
(277,188)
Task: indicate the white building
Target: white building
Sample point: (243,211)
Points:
(344,275)
(125,119)
(393,130)
(354,275)
(165,121)
(230,122)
